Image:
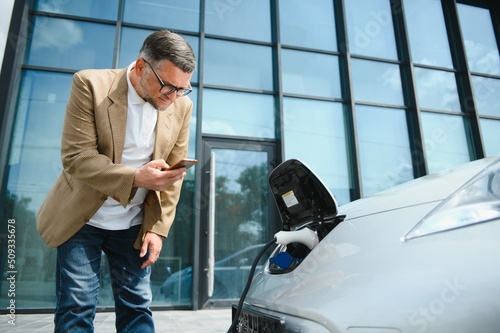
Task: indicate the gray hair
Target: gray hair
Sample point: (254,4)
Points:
(166,45)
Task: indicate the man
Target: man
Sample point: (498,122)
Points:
(122,129)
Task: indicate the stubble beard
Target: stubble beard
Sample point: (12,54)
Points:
(150,100)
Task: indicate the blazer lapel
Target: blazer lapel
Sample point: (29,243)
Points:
(163,131)
(117,113)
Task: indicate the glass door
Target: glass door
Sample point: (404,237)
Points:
(238,218)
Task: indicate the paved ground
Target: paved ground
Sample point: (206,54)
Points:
(178,321)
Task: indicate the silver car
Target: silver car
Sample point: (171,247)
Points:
(421,257)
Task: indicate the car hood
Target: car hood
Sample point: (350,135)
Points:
(431,188)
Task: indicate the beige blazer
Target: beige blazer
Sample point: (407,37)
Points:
(92,145)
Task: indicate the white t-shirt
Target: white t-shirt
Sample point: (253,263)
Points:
(137,151)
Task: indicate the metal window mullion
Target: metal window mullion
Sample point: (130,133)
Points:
(413,119)
(463,80)
(278,79)
(352,143)
(198,245)
(495,19)
(118,33)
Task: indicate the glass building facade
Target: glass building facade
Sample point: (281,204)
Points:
(368,93)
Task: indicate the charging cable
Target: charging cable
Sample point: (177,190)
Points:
(304,236)
(247,286)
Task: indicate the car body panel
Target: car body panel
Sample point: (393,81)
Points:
(362,277)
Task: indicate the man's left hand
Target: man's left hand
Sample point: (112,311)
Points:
(152,242)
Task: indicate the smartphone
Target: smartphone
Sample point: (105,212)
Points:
(185,163)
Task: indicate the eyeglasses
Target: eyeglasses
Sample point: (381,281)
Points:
(168,88)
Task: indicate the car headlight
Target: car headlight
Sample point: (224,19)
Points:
(475,202)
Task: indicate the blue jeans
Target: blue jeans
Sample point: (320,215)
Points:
(77,281)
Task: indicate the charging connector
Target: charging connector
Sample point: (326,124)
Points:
(304,236)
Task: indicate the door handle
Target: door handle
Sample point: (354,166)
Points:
(211,228)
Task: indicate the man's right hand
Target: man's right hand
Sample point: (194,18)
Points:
(154,176)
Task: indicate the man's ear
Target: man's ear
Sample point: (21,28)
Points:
(140,67)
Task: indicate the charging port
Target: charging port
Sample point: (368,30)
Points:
(288,256)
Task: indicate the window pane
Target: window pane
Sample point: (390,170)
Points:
(376,82)
(71,44)
(171,278)
(479,38)
(370,28)
(309,24)
(309,125)
(490,129)
(487,95)
(238,65)
(238,114)
(181,15)
(34,164)
(42,104)
(239,19)
(308,73)
(384,148)
(437,90)
(445,142)
(427,33)
(241,206)
(98,9)
(131,42)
